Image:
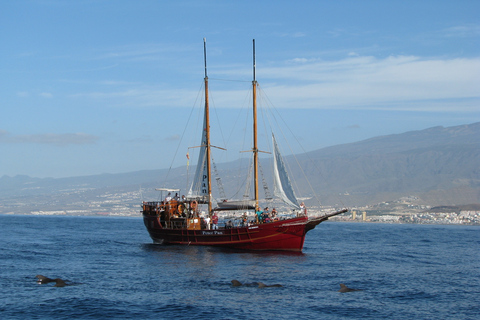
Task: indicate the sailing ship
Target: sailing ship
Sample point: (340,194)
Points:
(178,220)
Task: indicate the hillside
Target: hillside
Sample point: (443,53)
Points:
(439,166)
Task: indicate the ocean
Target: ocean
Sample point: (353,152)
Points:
(403,271)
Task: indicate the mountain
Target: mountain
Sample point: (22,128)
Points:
(438,166)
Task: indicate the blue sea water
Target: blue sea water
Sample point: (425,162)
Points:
(404,271)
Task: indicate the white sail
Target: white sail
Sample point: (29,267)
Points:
(282,187)
(199,188)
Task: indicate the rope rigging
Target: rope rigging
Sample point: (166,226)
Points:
(272,119)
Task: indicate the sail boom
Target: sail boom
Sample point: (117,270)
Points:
(167,189)
(235,205)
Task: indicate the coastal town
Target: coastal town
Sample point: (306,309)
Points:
(127,204)
(465,217)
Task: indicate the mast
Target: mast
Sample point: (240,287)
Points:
(207,129)
(255,146)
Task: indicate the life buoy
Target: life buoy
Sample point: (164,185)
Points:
(193,205)
(181,208)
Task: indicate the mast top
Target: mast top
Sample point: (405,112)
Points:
(254,63)
(205,55)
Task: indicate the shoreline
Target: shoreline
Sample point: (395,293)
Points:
(334,219)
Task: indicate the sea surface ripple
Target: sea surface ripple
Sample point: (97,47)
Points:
(404,271)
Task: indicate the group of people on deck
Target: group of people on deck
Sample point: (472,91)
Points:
(211,222)
(266,216)
(169,197)
(262,216)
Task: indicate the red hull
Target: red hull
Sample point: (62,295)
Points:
(287,235)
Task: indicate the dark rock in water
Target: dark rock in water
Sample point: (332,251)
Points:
(58,282)
(236,283)
(263,285)
(43,279)
(344,288)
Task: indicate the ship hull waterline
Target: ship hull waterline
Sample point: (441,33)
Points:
(283,235)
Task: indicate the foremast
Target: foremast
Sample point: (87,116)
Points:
(207,131)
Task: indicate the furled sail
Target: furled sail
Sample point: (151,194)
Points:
(282,187)
(236,205)
(199,189)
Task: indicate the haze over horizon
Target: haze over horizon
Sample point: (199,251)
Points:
(94,87)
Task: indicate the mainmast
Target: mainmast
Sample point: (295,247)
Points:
(255,146)
(207,130)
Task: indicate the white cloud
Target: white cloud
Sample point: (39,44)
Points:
(46,95)
(142,52)
(463,31)
(23,94)
(141,96)
(62,139)
(294,35)
(355,82)
(300,60)
(367,82)
(174,137)
(298,35)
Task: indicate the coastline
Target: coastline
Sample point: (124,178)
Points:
(429,219)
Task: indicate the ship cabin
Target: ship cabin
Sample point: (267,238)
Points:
(174,212)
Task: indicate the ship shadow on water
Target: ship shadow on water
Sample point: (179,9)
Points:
(155,247)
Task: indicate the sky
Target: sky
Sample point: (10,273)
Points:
(99,86)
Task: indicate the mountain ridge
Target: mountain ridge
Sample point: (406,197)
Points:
(439,165)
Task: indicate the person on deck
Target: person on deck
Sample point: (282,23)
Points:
(259,216)
(244,220)
(214,221)
(207,222)
(303,209)
(266,215)
(274,213)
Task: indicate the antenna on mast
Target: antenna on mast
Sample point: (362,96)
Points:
(254,62)
(205,54)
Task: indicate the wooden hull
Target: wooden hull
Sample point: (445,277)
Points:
(286,235)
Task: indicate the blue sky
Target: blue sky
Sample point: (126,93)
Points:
(91,87)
